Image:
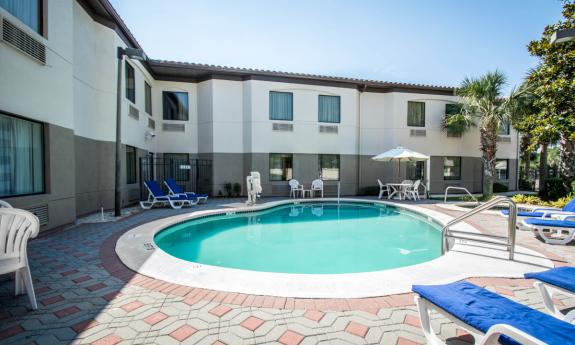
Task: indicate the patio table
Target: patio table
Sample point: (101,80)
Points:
(398,188)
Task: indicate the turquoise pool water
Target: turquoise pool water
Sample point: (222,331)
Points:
(307,238)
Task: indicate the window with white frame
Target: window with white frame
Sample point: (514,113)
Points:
(148,98)
(452,168)
(175,105)
(281,166)
(130,83)
(21,156)
(502,169)
(281,106)
(329,167)
(28,12)
(415,114)
(329,109)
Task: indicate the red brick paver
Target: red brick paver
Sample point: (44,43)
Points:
(111,339)
(291,338)
(220,310)
(252,323)
(183,333)
(356,329)
(155,318)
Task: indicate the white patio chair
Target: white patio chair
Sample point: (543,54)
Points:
(316,186)
(383,188)
(295,187)
(16,227)
(404,190)
(413,190)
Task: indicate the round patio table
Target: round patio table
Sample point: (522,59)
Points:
(398,188)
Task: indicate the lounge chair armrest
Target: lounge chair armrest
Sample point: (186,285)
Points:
(544,209)
(495,331)
(559,215)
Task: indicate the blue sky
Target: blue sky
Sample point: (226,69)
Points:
(430,42)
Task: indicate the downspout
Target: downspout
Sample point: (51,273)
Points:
(517,161)
(361,90)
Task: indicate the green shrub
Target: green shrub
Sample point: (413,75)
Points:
(525,185)
(553,189)
(228,189)
(561,202)
(499,188)
(237,188)
(369,191)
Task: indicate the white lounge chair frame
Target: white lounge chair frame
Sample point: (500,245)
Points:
(16,228)
(316,186)
(542,230)
(383,188)
(547,291)
(295,188)
(425,308)
(200,199)
(152,201)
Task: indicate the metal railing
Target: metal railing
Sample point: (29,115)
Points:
(459,188)
(509,242)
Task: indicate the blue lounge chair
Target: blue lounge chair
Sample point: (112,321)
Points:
(175,189)
(489,317)
(552,231)
(157,196)
(545,212)
(557,280)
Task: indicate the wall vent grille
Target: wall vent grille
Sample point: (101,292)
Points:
(19,39)
(282,127)
(134,112)
(417,133)
(151,124)
(41,212)
(328,129)
(173,127)
(504,139)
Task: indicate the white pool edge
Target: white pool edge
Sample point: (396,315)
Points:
(137,250)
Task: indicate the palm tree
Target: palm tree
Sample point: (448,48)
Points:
(482,103)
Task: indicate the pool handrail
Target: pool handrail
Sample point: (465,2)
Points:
(511,227)
(459,188)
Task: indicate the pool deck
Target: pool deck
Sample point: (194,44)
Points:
(86,295)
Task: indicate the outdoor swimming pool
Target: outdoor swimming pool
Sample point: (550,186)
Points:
(307,238)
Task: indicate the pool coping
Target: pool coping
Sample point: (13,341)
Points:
(137,250)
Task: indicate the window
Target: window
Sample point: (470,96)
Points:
(452,168)
(415,170)
(416,114)
(329,109)
(175,105)
(130,83)
(148,98)
(131,165)
(21,156)
(504,129)
(177,166)
(27,11)
(502,169)
(329,167)
(281,166)
(281,106)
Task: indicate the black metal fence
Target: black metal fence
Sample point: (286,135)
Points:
(192,175)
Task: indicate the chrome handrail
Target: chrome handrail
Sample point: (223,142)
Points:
(459,188)
(511,225)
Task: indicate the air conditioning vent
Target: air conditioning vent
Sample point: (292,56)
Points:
(328,129)
(134,112)
(173,127)
(41,212)
(151,124)
(417,133)
(19,39)
(282,127)
(504,139)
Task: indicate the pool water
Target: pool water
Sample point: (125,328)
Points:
(322,238)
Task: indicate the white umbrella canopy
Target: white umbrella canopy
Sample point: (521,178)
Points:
(400,154)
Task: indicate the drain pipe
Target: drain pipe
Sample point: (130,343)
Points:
(361,90)
(338,191)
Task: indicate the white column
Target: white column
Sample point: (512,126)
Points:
(428,173)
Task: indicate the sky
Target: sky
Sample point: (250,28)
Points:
(435,42)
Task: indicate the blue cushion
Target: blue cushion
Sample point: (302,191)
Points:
(570,207)
(524,214)
(177,198)
(563,277)
(482,309)
(154,188)
(550,222)
(174,186)
(194,195)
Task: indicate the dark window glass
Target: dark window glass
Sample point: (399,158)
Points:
(21,156)
(416,114)
(504,129)
(175,105)
(27,11)
(415,170)
(452,168)
(148,98)
(131,169)
(502,169)
(130,83)
(281,166)
(452,108)
(329,167)
(329,109)
(281,106)
(177,166)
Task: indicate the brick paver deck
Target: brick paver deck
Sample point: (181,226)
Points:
(87,296)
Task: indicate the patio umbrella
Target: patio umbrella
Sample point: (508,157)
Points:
(401,154)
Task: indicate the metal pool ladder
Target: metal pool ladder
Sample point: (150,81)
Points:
(459,188)
(509,240)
